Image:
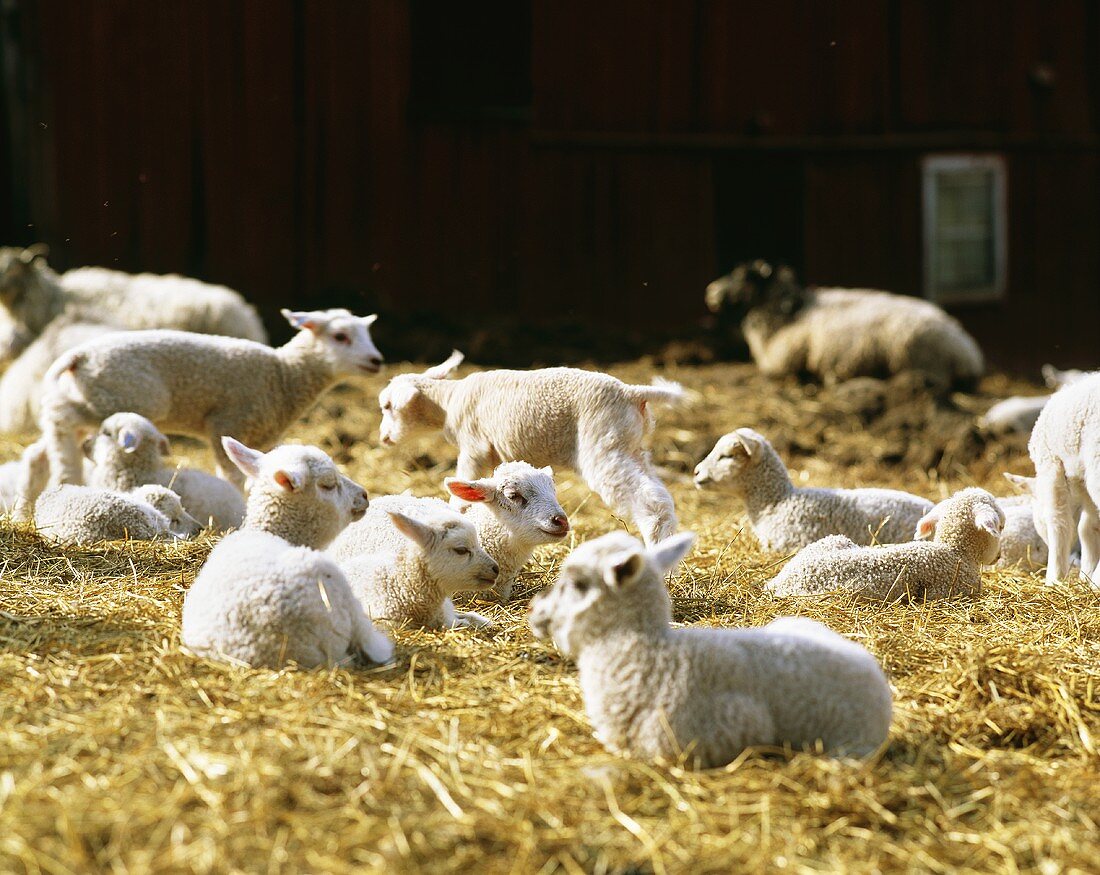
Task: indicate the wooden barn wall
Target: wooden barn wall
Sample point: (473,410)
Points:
(268,144)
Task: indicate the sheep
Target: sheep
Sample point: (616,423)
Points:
(87,515)
(659,693)
(967,536)
(21,384)
(32,296)
(201,385)
(1019,413)
(267,595)
(785,517)
(128,451)
(413,583)
(514,511)
(562,417)
(1065,448)
(837,334)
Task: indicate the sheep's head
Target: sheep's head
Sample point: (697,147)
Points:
(299,490)
(127,439)
(180,523)
(752,284)
(522,497)
(406,408)
(610,583)
(342,337)
(970,519)
(16,267)
(732,458)
(451,553)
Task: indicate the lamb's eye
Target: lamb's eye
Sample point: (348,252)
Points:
(461,551)
(517,497)
(329,486)
(580,586)
(388,406)
(340,337)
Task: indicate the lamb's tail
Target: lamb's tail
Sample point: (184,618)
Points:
(662,391)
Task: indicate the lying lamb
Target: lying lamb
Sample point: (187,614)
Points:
(266,595)
(785,517)
(412,583)
(564,417)
(514,511)
(1019,413)
(128,451)
(838,334)
(33,296)
(657,692)
(967,536)
(200,385)
(87,515)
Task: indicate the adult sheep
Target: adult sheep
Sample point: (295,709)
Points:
(837,334)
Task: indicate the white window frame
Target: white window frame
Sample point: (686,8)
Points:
(932,167)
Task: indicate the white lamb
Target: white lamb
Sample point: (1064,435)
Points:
(838,334)
(32,296)
(413,583)
(201,385)
(658,692)
(1019,413)
(1065,447)
(967,536)
(562,417)
(514,511)
(785,517)
(128,451)
(266,595)
(88,515)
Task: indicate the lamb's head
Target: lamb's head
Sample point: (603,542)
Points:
(450,551)
(734,458)
(522,498)
(342,338)
(180,523)
(610,583)
(406,408)
(970,521)
(752,284)
(127,440)
(18,277)
(297,493)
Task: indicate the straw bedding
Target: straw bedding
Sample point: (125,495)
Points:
(120,752)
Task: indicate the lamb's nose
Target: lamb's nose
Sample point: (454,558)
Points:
(495,569)
(376,360)
(560,521)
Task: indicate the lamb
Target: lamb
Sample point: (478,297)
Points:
(1065,448)
(562,417)
(87,515)
(785,517)
(838,334)
(201,385)
(32,296)
(1019,413)
(128,451)
(967,536)
(657,692)
(413,583)
(267,596)
(514,511)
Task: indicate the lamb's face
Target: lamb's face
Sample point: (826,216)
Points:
(180,523)
(126,434)
(342,337)
(726,465)
(451,551)
(399,402)
(522,497)
(969,516)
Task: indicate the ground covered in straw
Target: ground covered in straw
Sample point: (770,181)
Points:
(120,752)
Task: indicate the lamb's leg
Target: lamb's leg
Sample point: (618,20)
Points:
(60,423)
(34,474)
(1088,529)
(628,485)
(1060,516)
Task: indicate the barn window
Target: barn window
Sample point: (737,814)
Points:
(470,61)
(964,228)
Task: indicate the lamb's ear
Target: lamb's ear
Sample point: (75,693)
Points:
(747,441)
(414,530)
(368,321)
(988,520)
(446,368)
(164,445)
(667,554)
(291,479)
(926,526)
(245,458)
(303,320)
(471,490)
(624,569)
(128,440)
(32,253)
(1024,484)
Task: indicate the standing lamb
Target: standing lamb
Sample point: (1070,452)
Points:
(967,530)
(266,595)
(785,517)
(32,296)
(87,515)
(128,451)
(838,334)
(413,584)
(201,385)
(514,511)
(658,692)
(562,417)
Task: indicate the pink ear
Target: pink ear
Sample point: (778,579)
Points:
(285,481)
(466,490)
(927,526)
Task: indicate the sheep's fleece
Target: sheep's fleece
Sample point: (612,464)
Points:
(785,517)
(967,535)
(86,515)
(658,692)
